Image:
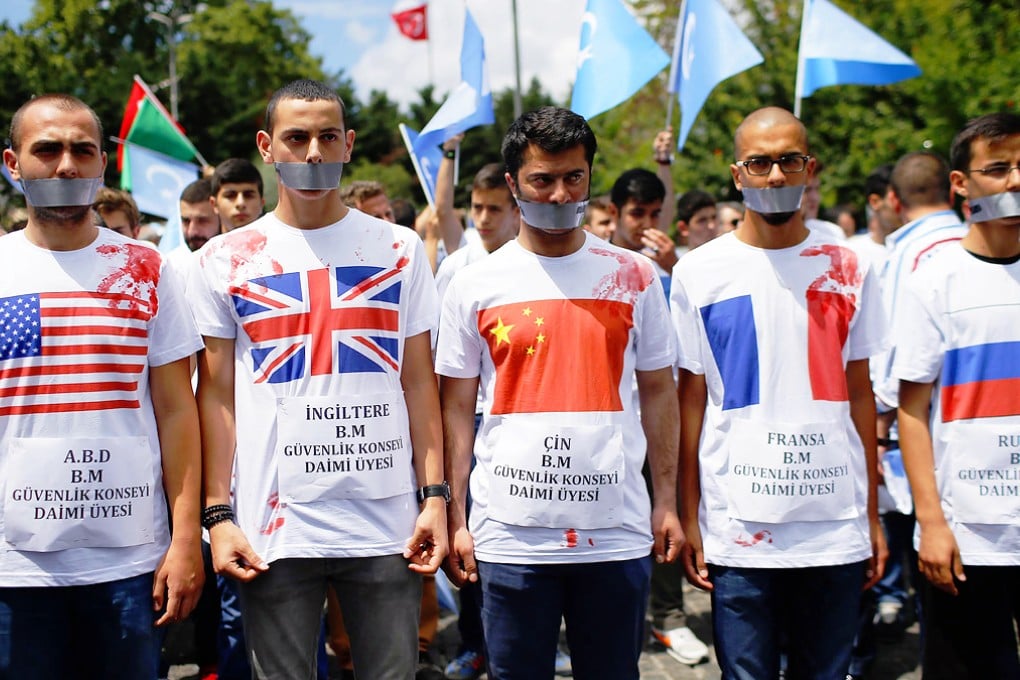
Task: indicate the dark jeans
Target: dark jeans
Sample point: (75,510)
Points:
(102,631)
(603,604)
(971,636)
(813,610)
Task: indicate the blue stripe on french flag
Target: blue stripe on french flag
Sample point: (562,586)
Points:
(729,325)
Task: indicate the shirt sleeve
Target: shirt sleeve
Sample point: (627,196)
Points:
(207,294)
(172,331)
(655,341)
(459,347)
(687,327)
(919,341)
(423,301)
(869,332)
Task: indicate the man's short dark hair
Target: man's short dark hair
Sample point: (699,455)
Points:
(993,127)
(551,129)
(688,205)
(307,90)
(638,185)
(878,181)
(920,178)
(64,102)
(198,191)
(235,171)
(403,212)
(490,177)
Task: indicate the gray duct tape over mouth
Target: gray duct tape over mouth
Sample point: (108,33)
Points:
(310,176)
(553,216)
(995,207)
(773,199)
(58,191)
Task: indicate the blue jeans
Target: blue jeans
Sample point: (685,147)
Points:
(103,631)
(603,604)
(813,609)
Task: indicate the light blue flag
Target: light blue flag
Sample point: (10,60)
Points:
(616,58)
(173,232)
(709,48)
(7,175)
(425,159)
(157,180)
(470,103)
(836,49)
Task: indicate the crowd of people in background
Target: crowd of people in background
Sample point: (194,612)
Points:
(571,404)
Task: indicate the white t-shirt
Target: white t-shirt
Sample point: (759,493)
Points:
(78,440)
(826,228)
(783,480)
(555,342)
(462,257)
(320,317)
(909,247)
(959,327)
(868,251)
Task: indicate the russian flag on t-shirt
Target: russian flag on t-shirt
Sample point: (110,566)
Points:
(981,381)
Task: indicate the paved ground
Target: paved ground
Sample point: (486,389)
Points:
(895,661)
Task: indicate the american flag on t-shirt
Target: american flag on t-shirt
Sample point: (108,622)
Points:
(338,320)
(72,351)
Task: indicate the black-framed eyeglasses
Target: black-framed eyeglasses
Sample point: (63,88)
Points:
(996,170)
(762,165)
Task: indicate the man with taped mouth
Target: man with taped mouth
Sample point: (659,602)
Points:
(98,426)
(316,387)
(553,326)
(958,361)
(777,442)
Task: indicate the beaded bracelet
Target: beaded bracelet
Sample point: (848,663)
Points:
(216,514)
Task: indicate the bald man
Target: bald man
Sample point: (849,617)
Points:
(777,450)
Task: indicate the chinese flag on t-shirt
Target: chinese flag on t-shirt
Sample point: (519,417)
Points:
(557,355)
(412,22)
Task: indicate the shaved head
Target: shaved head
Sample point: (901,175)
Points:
(762,122)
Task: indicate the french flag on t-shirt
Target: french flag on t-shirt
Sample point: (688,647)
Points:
(981,381)
(733,338)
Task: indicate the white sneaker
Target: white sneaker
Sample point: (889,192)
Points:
(682,644)
(889,612)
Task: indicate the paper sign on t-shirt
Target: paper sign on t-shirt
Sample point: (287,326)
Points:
(985,480)
(548,475)
(78,493)
(784,472)
(331,448)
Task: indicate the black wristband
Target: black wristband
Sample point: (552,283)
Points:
(216,514)
(451,154)
(434,490)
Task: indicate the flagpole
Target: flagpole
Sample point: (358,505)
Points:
(799,85)
(677,47)
(517,61)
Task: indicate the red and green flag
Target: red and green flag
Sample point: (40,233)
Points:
(147,123)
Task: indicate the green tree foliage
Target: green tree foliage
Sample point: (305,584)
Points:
(234,53)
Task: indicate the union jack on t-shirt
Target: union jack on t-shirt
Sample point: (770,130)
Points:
(320,322)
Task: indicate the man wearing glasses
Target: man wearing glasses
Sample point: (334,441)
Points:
(958,342)
(777,447)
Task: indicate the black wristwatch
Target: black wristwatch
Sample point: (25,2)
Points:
(432,490)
